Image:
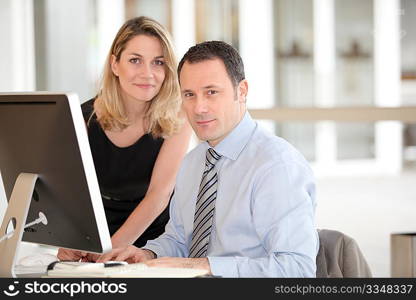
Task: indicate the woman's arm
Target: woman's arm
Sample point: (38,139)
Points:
(160,189)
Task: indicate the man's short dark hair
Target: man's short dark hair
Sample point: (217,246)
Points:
(216,49)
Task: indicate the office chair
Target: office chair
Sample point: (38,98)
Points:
(339,256)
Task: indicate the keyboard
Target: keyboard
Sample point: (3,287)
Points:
(119,269)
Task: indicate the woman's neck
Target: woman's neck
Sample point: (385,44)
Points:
(135,110)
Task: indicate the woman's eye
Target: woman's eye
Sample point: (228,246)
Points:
(187,95)
(134,60)
(159,62)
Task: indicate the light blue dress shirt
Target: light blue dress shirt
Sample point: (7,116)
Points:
(264,212)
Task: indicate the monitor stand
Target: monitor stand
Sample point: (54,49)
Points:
(16,214)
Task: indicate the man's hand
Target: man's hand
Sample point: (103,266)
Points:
(179,262)
(73,255)
(131,254)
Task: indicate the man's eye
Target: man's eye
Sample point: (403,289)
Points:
(212,92)
(134,60)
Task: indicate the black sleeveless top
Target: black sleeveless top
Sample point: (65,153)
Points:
(123,175)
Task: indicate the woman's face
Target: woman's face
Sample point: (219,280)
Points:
(141,68)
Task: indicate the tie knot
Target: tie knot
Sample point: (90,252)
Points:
(212,157)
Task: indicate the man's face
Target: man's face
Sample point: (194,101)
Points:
(213,106)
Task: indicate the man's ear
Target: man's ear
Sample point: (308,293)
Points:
(242,91)
(114,64)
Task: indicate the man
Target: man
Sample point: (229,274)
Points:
(244,199)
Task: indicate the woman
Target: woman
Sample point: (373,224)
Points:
(136,136)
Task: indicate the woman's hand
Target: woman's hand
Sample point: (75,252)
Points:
(72,255)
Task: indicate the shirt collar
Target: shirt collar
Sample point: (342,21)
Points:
(232,145)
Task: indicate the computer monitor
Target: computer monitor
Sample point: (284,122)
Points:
(43,136)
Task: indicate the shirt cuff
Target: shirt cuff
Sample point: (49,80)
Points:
(156,249)
(153,252)
(223,266)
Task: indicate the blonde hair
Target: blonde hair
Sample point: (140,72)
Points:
(162,114)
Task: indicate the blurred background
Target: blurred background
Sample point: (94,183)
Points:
(297,53)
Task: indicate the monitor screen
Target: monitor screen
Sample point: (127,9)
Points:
(45,134)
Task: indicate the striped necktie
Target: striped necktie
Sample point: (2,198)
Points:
(205,206)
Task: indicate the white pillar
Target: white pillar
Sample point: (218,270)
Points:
(257,50)
(110,17)
(183,33)
(324,67)
(183,25)
(68,47)
(17,54)
(388,139)
(256,47)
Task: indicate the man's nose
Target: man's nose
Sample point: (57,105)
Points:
(201,106)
